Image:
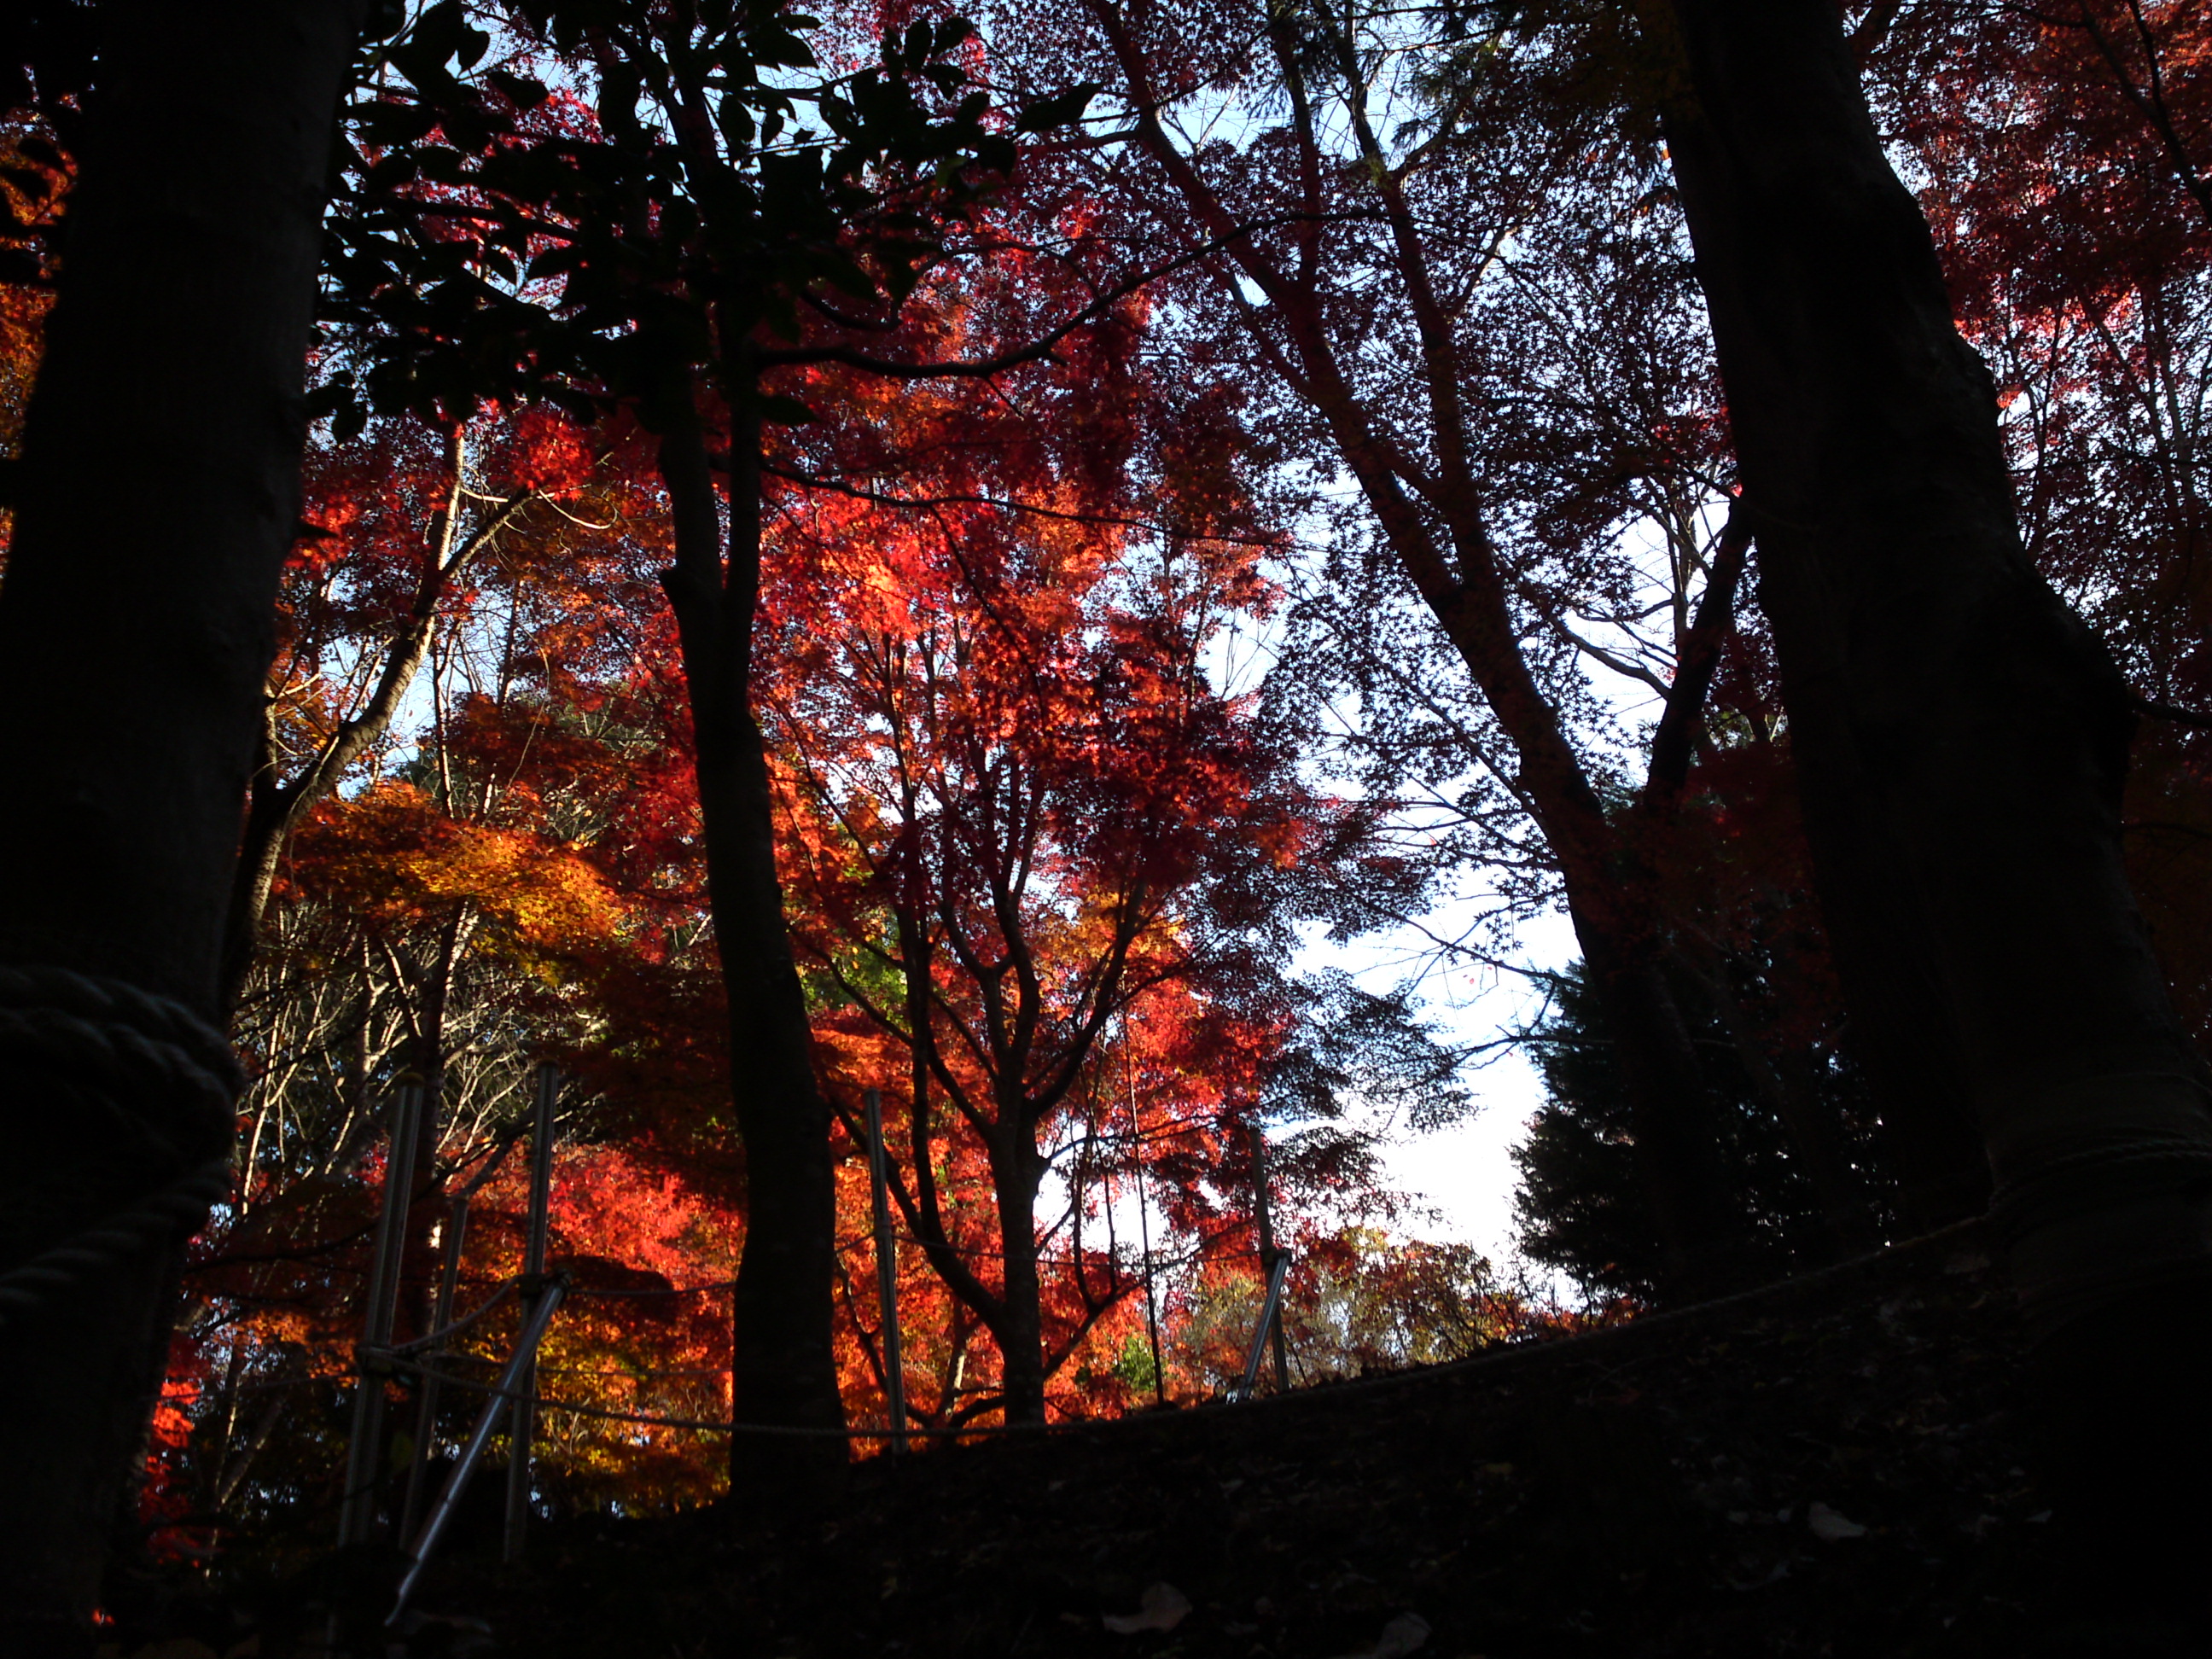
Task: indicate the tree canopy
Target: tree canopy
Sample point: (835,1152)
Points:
(965,567)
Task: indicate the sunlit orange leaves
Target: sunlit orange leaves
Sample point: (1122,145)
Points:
(391,856)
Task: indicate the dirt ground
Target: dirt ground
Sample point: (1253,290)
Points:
(1834,1468)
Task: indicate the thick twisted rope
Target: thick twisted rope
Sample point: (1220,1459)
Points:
(2092,1175)
(152,1058)
(176,1209)
(161,1069)
(2104,1140)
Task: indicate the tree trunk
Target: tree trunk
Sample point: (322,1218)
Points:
(157,496)
(1016,1172)
(785,1363)
(1961,739)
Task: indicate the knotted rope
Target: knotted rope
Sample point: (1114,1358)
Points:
(166,1076)
(2083,1146)
(2101,1185)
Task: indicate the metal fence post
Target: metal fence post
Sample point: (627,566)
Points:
(1269,1255)
(886,1272)
(364,1454)
(1144,1218)
(522,1429)
(1269,1308)
(507,1391)
(426,1410)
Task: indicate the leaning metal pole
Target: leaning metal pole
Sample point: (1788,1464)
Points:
(523,1431)
(506,1390)
(1269,1310)
(364,1457)
(1144,1220)
(886,1273)
(1268,1255)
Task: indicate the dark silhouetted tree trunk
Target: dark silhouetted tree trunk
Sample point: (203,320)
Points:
(786,1364)
(157,496)
(1017,1170)
(1961,739)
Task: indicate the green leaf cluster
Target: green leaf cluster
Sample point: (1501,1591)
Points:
(592,202)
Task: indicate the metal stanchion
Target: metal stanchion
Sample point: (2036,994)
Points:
(1270,1310)
(506,1392)
(426,1408)
(364,1454)
(886,1273)
(523,1430)
(1144,1219)
(1269,1255)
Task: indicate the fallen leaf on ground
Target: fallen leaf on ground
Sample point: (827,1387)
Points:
(1162,1606)
(1828,1526)
(1407,1632)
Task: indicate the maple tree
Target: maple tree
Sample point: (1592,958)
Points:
(454,910)
(324,722)
(668,224)
(1021,810)
(526,810)
(1537,454)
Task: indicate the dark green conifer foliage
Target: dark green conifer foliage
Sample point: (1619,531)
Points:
(1580,1207)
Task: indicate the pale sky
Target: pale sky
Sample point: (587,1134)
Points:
(1464,1172)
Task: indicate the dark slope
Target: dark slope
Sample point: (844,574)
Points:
(1646,1490)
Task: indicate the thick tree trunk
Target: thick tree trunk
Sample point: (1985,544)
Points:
(1961,739)
(785,1362)
(157,496)
(1020,1329)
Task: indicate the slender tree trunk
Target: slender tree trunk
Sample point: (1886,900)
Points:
(785,1363)
(157,496)
(1019,1330)
(1961,739)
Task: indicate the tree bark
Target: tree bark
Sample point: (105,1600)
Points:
(785,1363)
(1016,1172)
(1961,739)
(158,494)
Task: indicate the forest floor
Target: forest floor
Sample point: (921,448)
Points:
(1830,1467)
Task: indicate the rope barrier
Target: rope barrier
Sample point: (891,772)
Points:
(465,1322)
(716,1426)
(161,1070)
(134,1047)
(176,1208)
